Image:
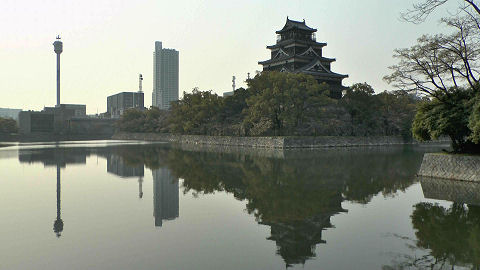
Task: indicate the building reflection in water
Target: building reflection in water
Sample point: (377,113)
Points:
(165,196)
(58,224)
(116,165)
(295,194)
(59,158)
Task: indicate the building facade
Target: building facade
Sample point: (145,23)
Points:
(74,110)
(118,103)
(298,51)
(165,76)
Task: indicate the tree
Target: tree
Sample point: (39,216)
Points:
(196,113)
(421,10)
(474,120)
(444,68)
(283,99)
(132,120)
(150,120)
(363,109)
(363,87)
(397,110)
(435,119)
(439,64)
(8,125)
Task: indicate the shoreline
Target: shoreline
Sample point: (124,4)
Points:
(49,137)
(272,142)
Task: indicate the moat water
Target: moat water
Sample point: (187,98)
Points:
(117,205)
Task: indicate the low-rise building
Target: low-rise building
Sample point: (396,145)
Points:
(118,103)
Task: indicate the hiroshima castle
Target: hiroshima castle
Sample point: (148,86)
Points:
(298,51)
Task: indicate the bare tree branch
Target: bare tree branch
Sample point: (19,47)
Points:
(420,11)
(440,64)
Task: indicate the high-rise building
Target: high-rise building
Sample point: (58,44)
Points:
(165,76)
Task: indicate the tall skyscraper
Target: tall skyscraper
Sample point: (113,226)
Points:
(165,76)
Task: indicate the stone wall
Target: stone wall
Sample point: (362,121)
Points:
(90,126)
(264,142)
(446,166)
(340,141)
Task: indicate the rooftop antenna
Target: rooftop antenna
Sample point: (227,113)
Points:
(140,79)
(233,81)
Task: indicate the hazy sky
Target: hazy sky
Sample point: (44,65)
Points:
(108,43)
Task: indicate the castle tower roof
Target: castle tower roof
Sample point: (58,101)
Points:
(295,25)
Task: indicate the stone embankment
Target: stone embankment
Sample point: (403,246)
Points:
(265,142)
(447,166)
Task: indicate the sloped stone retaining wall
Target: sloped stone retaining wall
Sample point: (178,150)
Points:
(457,167)
(265,142)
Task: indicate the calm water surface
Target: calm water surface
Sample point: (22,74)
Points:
(113,205)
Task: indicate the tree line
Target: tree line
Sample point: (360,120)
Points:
(8,125)
(281,104)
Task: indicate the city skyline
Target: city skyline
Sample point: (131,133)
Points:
(107,46)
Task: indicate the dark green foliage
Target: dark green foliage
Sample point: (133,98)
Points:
(474,120)
(277,103)
(8,125)
(197,113)
(451,235)
(285,100)
(150,120)
(449,115)
(387,113)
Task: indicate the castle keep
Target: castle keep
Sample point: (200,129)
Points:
(298,51)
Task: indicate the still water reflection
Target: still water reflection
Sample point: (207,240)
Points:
(358,208)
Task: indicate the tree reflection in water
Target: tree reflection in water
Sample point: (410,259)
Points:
(297,194)
(447,238)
